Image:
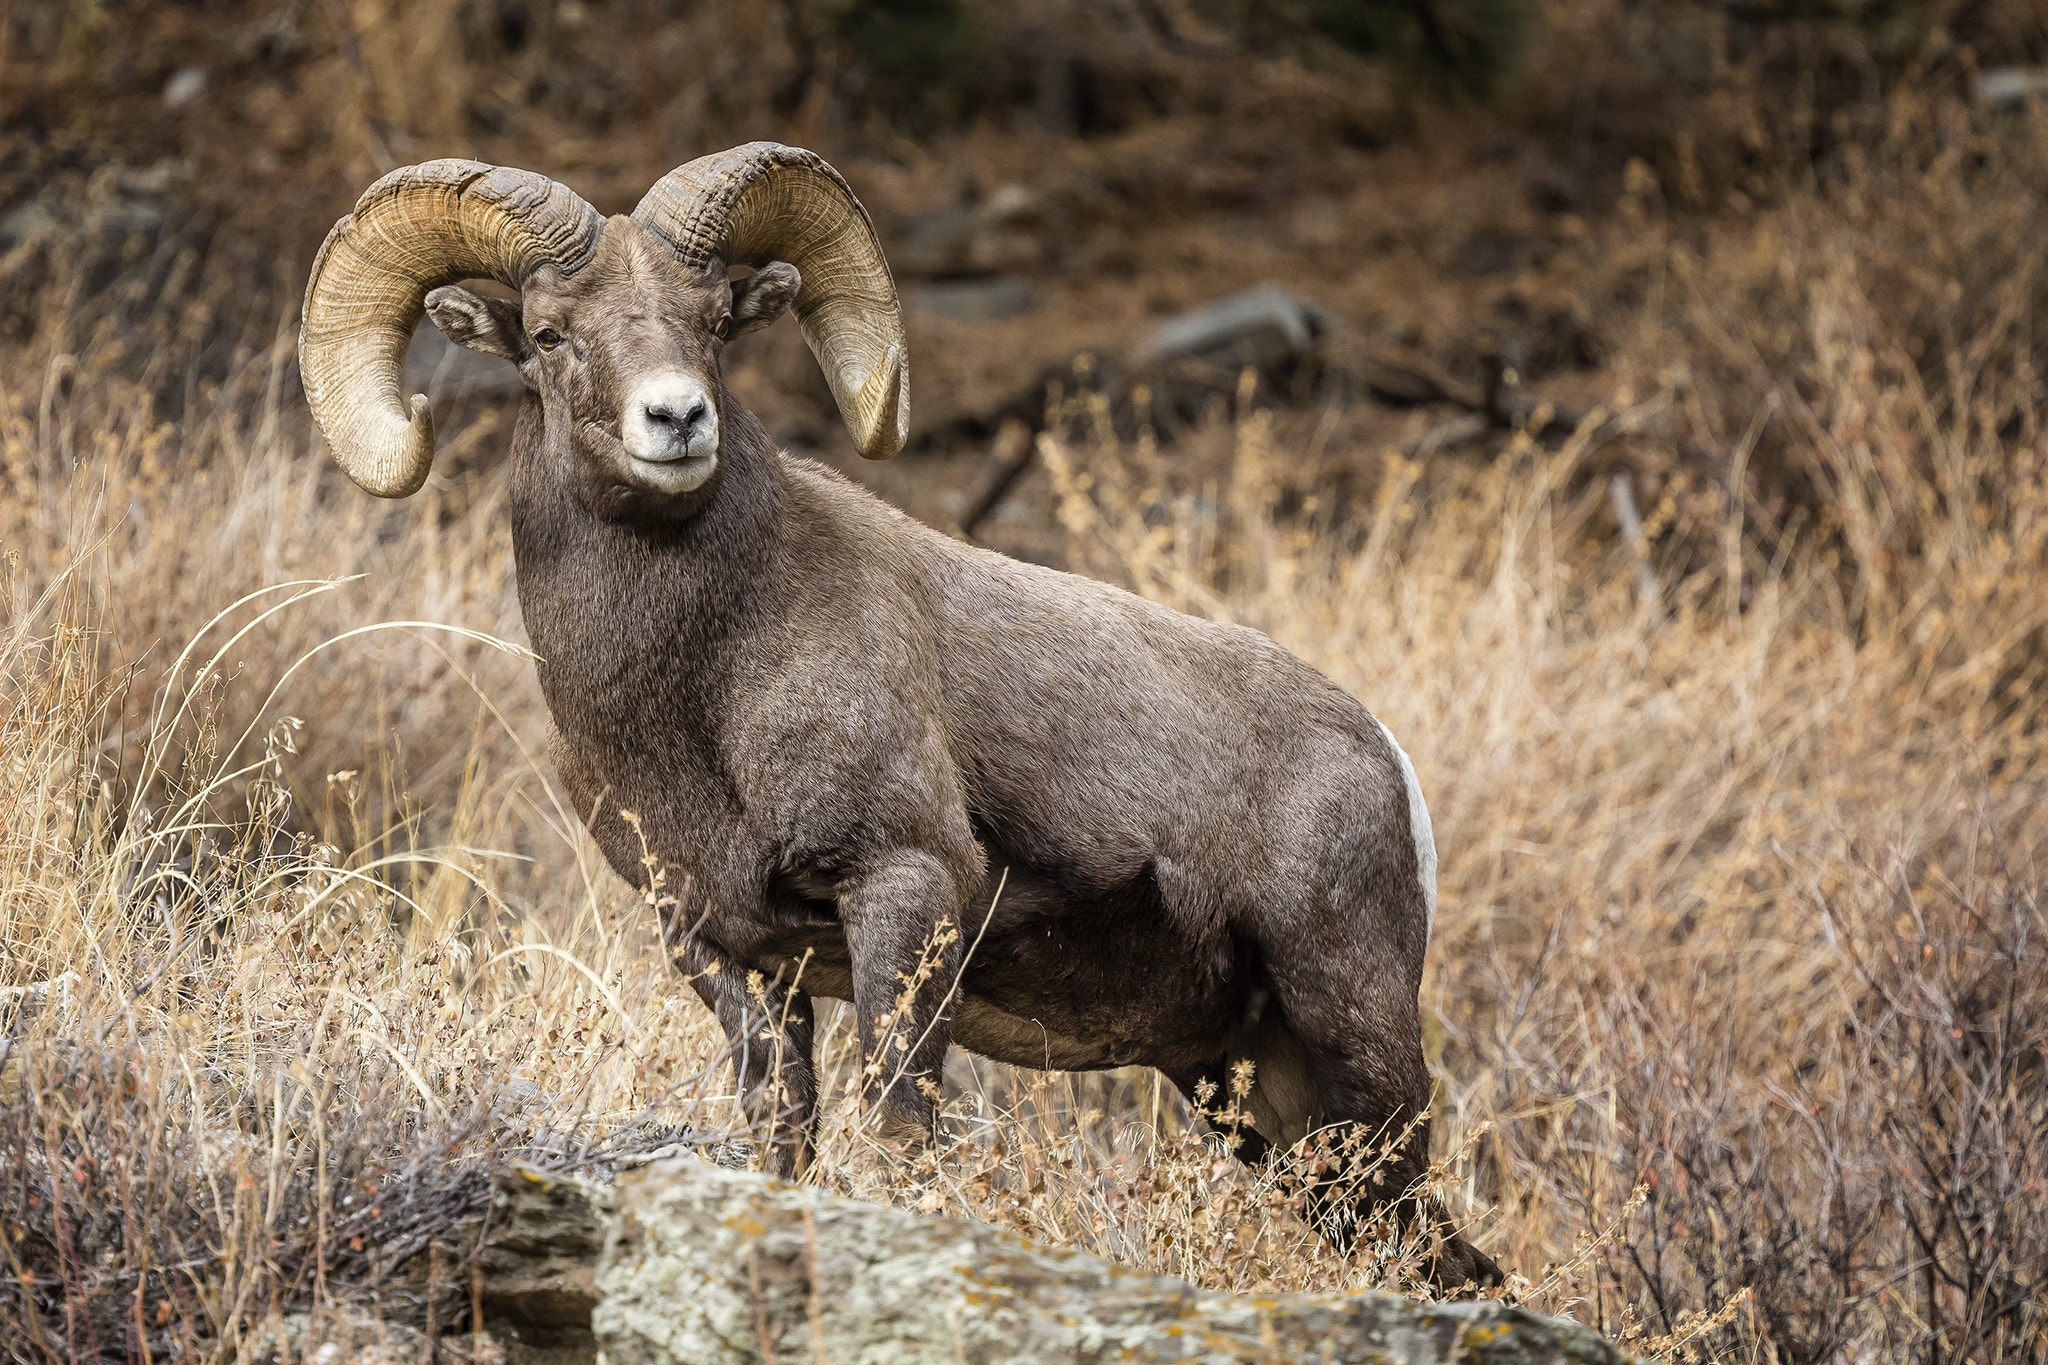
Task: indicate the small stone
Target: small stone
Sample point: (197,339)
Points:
(186,84)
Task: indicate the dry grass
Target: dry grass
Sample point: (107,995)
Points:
(301,987)
(1739,995)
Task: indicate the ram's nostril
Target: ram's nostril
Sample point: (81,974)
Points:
(665,415)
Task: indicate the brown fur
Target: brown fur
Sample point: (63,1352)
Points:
(843,728)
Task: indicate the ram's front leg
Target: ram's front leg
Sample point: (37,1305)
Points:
(902,920)
(768,1031)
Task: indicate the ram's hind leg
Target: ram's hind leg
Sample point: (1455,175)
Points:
(1360,1049)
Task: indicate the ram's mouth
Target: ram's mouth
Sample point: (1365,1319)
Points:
(683,473)
(671,466)
(671,455)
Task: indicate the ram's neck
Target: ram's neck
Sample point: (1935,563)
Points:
(634,621)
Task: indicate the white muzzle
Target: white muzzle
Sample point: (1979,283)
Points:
(670,428)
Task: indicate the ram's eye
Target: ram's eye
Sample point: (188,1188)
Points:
(547,338)
(720,328)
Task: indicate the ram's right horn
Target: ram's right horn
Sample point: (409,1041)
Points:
(418,228)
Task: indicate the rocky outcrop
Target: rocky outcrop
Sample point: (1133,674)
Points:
(713,1267)
(351,1336)
(538,1266)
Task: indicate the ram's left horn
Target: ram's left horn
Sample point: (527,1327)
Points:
(766,202)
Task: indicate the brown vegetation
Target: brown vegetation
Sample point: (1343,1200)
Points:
(1739,994)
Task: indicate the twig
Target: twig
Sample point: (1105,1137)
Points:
(1013,450)
(817,1296)
(1457,431)
(760,1306)
(1624,499)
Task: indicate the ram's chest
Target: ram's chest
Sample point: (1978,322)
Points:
(636,744)
(650,800)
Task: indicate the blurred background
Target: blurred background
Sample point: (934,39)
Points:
(1443,192)
(1637,403)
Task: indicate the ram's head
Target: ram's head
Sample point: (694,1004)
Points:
(620,321)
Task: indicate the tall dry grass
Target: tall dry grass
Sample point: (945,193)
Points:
(1743,907)
(326,942)
(1738,997)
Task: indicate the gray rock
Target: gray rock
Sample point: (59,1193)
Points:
(713,1267)
(973,300)
(111,204)
(1260,328)
(19,1005)
(43,219)
(1004,232)
(539,1264)
(350,1336)
(2009,87)
(186,84)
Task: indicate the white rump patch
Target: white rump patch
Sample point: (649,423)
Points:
(1418,823)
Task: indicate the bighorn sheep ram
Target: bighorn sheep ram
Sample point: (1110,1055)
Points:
(845,727)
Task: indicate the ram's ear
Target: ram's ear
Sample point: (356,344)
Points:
(493,326)
(763,296)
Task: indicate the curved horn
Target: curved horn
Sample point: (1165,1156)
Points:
(766,202)
(417,228)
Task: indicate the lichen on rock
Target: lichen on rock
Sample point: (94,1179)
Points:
(713,1267)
